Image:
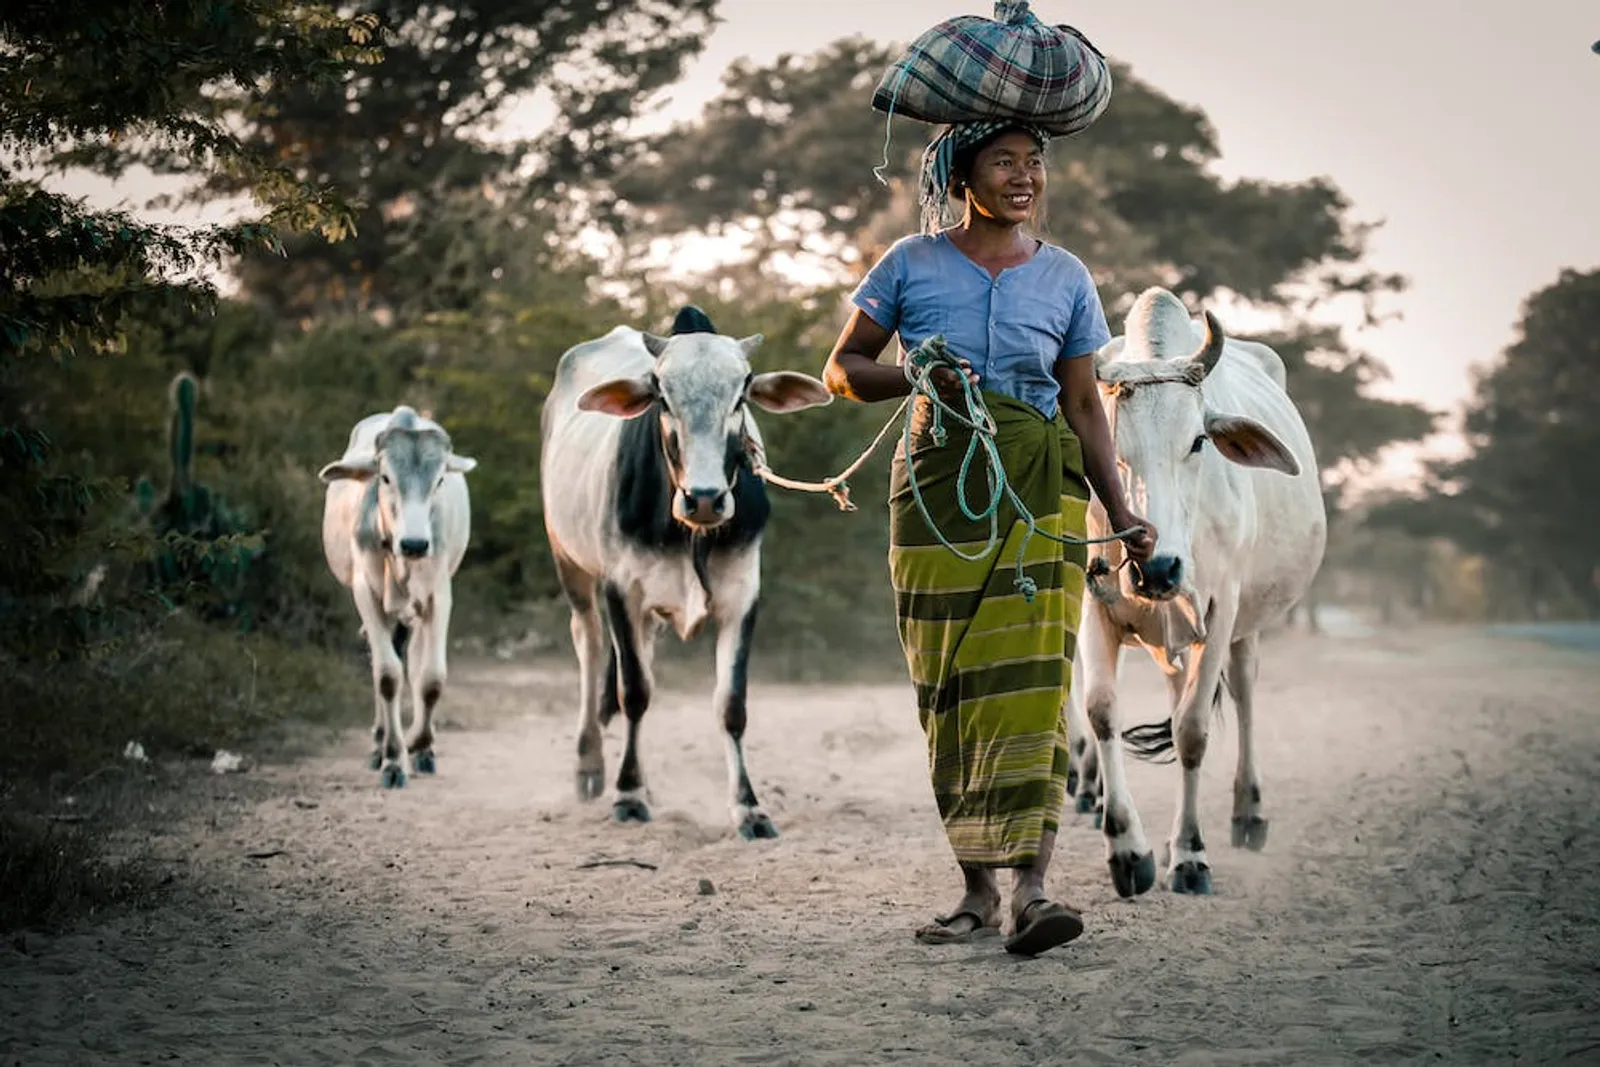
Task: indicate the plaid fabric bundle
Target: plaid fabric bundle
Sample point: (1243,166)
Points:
(1013,66)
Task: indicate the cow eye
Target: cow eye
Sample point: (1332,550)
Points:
(1199,443)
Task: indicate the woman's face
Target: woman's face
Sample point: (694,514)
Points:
(1007,179)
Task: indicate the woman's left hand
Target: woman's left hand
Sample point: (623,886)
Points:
(1142,545)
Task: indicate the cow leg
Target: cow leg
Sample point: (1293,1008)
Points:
(1188,870)
(588,641)
(400,640)
(610,701)
(428,668)
(633,638)
(1132,864)
(1249,828)
(388,672)
(734,638)
(1082,756)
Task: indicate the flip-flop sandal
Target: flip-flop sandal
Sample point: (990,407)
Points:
(1052,925)
(939,933)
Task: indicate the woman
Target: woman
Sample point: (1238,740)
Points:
(991,668)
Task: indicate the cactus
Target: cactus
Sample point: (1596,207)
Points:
(192,510)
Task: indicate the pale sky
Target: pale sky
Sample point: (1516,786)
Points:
(1470,128)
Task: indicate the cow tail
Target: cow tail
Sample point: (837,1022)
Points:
(1151,742)
(1154,743)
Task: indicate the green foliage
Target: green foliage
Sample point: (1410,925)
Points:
(409,138)
(1526,493)
(91,82)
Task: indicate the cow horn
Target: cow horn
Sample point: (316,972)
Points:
(1105,354)
(1210,349)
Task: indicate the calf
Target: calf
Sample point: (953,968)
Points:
(395,523)
(654,513)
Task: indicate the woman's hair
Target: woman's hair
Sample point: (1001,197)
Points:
(967,155)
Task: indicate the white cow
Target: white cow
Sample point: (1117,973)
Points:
(395,523)
(654,514)
(1214,452)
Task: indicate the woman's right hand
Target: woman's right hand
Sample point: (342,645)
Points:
(948,382)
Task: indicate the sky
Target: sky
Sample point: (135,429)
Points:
(1471,131)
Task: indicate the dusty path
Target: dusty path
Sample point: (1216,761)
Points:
(1431,893)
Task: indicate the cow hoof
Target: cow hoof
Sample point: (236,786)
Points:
(1249,831)
(392,776)
(591,785)
(1132,875)
(1192,877)
(630,810)
(757,827)
(1085,805)
(423,762)
(374,760)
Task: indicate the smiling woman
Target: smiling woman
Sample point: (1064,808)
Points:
(991,666)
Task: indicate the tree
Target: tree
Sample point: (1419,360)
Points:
(1526,493)
(415,140)
(787,152)
(91,82)
(81,79)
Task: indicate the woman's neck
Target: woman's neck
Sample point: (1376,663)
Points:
(991,243)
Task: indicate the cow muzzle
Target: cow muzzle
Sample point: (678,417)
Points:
(1158,578)
(414,547)
(703,508)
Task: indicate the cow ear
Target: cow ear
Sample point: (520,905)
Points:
(625,398)
(1249,444)
(459,464)
(357,469)
(748,345)
(784,391)
(654,343)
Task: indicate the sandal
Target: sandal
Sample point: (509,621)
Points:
(938,932)
(1051,925)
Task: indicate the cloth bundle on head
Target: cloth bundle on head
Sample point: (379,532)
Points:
(983,75)
(970,69)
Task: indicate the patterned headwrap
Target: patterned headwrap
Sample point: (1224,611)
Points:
(939,158)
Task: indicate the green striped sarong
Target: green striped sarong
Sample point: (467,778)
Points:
(991,670)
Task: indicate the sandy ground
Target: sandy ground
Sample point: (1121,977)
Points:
(1431,893)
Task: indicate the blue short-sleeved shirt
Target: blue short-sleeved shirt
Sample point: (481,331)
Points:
(1011,328)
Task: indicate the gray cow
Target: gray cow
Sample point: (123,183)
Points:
(396,521)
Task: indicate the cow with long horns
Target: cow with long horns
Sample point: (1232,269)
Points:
(1212,448)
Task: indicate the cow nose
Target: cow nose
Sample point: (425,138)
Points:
(1158,577)
(413,547)
(705,505)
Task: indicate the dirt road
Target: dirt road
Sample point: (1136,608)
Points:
(1431,893)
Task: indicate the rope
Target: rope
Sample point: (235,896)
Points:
(920,363)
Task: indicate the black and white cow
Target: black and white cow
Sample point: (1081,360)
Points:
(654,514)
